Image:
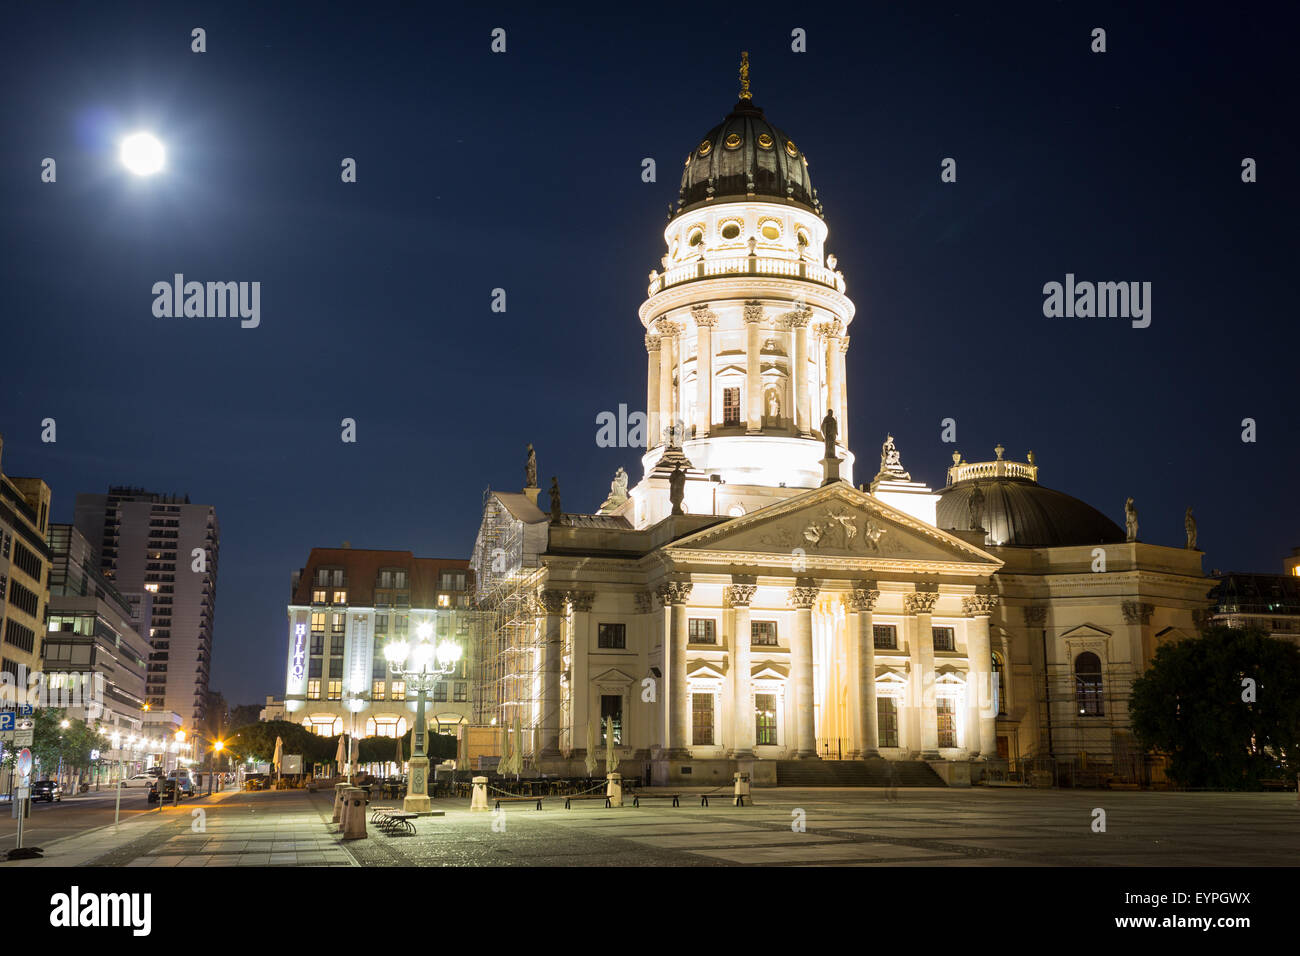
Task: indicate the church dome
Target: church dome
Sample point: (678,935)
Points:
(746,157)
(1017,510)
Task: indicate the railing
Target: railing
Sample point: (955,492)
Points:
(744,265)
(991,469)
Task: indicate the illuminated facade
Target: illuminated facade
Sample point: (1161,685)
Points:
(346,603)
(745,606)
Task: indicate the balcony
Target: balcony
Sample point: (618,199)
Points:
(706,268)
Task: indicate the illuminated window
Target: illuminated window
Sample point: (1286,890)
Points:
(318,620)
(377,690)
(887,721)
(702,630)
(702,719)
(611,707)
(313,689)
(947,722)
(731,406)
(340,597)
(317,597)
(398,689)
(462,692)
(335,690)
(1087,685)
(444,600)
(338,622)
(765,720)
(151,587)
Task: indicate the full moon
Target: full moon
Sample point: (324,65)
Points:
(142,154)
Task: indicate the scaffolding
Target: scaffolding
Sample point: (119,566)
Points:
(1084,738)
(509,638)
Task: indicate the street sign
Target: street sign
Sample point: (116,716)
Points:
(7,720)
(24,766)
(25,723)
(24,738)
(24,793)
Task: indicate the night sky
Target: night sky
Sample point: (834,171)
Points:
(523,171)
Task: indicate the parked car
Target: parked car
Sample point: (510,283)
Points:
(139,780)
(47,790)
(186,781)
(164,788)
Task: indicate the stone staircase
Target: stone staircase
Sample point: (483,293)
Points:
(855,773)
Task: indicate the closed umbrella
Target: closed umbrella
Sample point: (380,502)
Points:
(591,748)
(278,757)
(503,765)
(462,749)
(611,755)
(340,755)
(400,758)
(517,754)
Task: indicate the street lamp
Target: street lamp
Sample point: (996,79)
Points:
(422,666)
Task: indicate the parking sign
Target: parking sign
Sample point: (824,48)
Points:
(7,720)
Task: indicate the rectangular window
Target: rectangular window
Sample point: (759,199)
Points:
(762,633)
(377,690)
(702,719)
(338,623)
(313,690)
(20,636)
(611,706)
(336,645)
(611,635)
(947,722)
(887,721)
(318,643)
(317,597)
(944,639)
(338,577)
(444,600)
(314,667)
(731,406)
(385,579)
(440,692)
(318,620)
(336,667)
(765,720)
(336,690)
(381,623)
(885,636)
(399,579)
(462,692)
(702,630)
(398,687)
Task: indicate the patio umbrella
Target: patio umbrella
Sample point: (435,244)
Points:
(591,749)
(611,755)
(277,757)
(339,755)
(462,749)
(400,758)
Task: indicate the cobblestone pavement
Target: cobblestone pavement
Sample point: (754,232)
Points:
(932,827)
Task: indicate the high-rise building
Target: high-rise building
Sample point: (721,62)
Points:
(93,657)
(162,549)
(24,567)
(346,604)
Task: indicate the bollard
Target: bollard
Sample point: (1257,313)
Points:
(742,789)
(614,789)
(354,814)
(478,798)
(338,802)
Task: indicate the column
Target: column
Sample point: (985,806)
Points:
(667,344)
(555,604)
(799,370)
(673,595)
(652,392)
(705,320)
(980,693)
(801,670)
(920,605)
(738,597)
(862,602)
(832,359)
(842,397)
(753,368)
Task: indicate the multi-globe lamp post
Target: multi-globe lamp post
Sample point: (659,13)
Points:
(422,666)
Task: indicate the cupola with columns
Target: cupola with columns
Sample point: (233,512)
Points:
(746,326)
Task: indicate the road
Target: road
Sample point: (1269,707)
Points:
(72,815)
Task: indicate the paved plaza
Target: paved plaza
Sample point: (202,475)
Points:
(930,827)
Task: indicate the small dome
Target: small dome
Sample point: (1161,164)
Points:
(1018,511)
(746,156)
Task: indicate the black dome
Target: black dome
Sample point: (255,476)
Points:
(1018,511)
(746,156)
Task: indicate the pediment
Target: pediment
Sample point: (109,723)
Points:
(704,670)
(769,670)
(1084,632)
(612,676)
(835,526)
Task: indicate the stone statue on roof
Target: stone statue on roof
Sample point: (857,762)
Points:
(677,489)
(1189,523)
(1130,520)
(891,463)
(555,500)
(530,468)
(830,431)
(617,492)
(976,506)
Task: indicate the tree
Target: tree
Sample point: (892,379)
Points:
(244,714)
(51,741)
(1225,707)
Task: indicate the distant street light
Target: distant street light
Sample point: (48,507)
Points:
(142,154)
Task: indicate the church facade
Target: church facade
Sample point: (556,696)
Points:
(745,605)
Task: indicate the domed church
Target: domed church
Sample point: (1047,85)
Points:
(746,607)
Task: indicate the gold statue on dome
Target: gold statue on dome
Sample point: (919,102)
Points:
(744,76)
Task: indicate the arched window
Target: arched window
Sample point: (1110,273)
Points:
(1087,684)
(1000,685)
